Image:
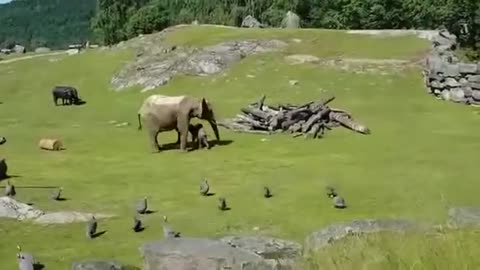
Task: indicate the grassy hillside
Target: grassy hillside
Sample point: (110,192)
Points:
(419,160)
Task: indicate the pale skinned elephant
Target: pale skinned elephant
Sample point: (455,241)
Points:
(164,113)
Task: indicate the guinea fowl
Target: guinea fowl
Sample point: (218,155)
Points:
(222,204)
(137,224)
(331,192)
(57,194)
(10,189)
(168,232)
(266,192)
(204,188)
(142,206)
(26,261)
(91,227)
(339,202)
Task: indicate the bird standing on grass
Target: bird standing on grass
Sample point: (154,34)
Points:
(168,232)
(25,260)
(142,206)
(137,224)
(204,187)
(339,202)
(91,227)
(266,192)
(10,189)
(57,194)
(222,204)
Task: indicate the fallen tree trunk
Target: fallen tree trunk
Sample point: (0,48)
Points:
(50,144)
(349,123)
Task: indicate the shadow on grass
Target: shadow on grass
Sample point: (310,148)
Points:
(38,266)
(98,234)
(149,212)
(5,177)
(190,148)
(210,194)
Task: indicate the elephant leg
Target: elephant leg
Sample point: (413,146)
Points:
(205,142)
(152,133)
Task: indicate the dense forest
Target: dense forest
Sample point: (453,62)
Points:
(121,19)
(56,23)
(51,23)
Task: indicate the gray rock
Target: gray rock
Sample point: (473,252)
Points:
(464,216)
(457,95)
(463,81)
(437,85)
(332,233)
(154,68)
(445,95)
(195,253)
(437,91)
(291,20)
(452,83)
(474,85)
(251,22)
(98,265)
(476,95)
(434,63)
(42,50)
(281,252)
(467,91)
(474,78)
(468,68)
(451,70)
(10,208)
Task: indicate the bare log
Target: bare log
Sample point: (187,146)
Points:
(253,123)
(312,134)
(297,127)
(256,112)
(315,118)
(50,144)
(348,123)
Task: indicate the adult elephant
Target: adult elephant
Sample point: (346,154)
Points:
(163,113)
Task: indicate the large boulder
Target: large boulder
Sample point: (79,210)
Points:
(457,95)
(476,95)
(291,20)
(282,253)
(196,253)
(10,208)
(464,216)
(251,22)
(19,49)
(322,238)
(99,265)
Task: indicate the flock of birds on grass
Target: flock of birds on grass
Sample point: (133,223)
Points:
(27,262)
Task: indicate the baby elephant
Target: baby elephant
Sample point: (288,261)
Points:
(199,135)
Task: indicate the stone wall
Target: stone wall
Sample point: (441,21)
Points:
(446,77)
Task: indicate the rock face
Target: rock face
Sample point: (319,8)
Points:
(445,76)
(68,217)
(332,233)
(464,216)
(98,265)
(291,20)
(155,68)
(195,253)
(10,208)
(251,22)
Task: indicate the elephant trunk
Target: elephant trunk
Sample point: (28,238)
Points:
(213,123)
(139,122)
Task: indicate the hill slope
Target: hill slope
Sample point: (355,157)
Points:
(51,23)
(407,168)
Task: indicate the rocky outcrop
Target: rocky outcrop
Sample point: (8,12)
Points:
(446,77)
(10,208)
(464,216)
(335,232)
(196,253)
(99,265)
(291,20)
(251,22)
(156,68)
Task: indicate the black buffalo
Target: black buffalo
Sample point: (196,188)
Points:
(68,94)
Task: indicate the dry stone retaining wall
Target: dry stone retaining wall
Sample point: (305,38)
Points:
(446,77)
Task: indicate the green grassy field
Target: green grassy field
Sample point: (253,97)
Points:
(419,160)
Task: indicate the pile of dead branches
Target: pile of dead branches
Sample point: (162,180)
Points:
(311,119)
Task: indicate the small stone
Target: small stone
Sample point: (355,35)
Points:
(250,76)
(256,228)
(296,40)
(112,122)
(452,83)
(474,78)
(124,124)
(293,82)
(467,68)
(445,95)
(476,95)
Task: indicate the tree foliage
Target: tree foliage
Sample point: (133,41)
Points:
(52,23)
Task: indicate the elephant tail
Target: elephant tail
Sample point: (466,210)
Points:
(139,122)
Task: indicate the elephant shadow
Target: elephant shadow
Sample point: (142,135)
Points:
(191,147)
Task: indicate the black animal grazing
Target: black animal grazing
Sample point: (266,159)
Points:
(68,94)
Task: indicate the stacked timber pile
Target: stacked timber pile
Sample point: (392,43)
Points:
(310,119)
